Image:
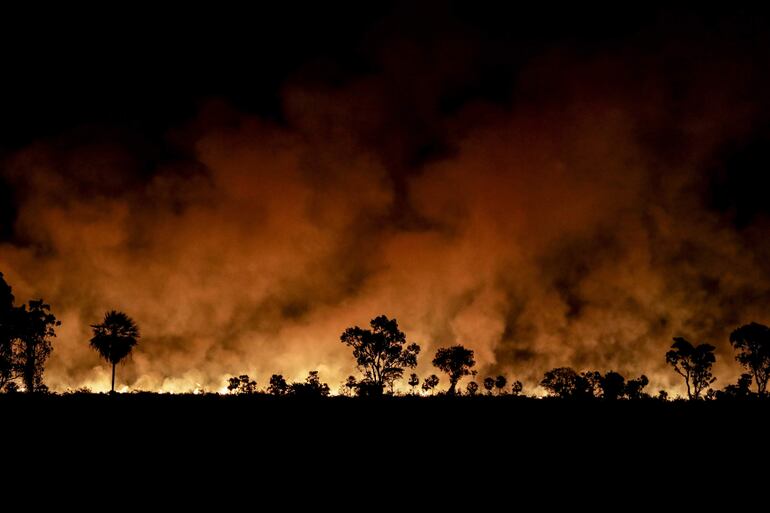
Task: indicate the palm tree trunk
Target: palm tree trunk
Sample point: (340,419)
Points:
(113,379)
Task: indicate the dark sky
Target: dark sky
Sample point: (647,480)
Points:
(141,72)
(549,185)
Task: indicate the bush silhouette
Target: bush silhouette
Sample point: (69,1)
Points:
(312,387)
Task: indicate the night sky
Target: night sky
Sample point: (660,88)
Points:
(548,186)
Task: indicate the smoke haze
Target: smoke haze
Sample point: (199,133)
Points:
(580,214)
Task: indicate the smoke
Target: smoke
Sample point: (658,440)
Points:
(571,224)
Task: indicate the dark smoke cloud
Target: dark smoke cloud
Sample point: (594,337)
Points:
(575,218)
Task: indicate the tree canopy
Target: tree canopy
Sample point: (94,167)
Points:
(566,383)
(457,361)
(381,352)
(430,383)
(25,340)
(114,338)
(752,342)
(693,363)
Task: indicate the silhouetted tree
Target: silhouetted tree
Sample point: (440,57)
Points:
(740,390)
(472,388)
(500,383)
(516,388)
(8,321)
(592,380)
(430,383)
(489,384)
(693,363)
(752,342)
(613,386)
(456,361)
(278,385)
(368,389)
(564,382)
(381,352)
(115,338)
(242,385)
(36,327)
(662,395)
(312,387)
(635,387)
(350,386)
(413,382)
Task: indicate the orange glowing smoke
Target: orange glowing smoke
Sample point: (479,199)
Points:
(552,232)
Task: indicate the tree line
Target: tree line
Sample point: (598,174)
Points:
(382,354)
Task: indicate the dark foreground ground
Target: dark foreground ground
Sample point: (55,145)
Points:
(440,450)
(507,426)
(445,442)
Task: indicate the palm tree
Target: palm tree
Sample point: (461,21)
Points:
(114,338)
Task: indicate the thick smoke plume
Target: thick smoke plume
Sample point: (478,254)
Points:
(573,223)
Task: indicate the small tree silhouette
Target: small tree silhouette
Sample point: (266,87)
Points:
(472,388)
(740,390)
(752,342)
(348,388)
(456,361)
(634,388)
(278,385)
(564,382)
(242,385)
(500,383)
(413,382)
(430,383)
(489,384)
(612,385)
(693,363)
(114,338)
(312,387)
(516,388)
